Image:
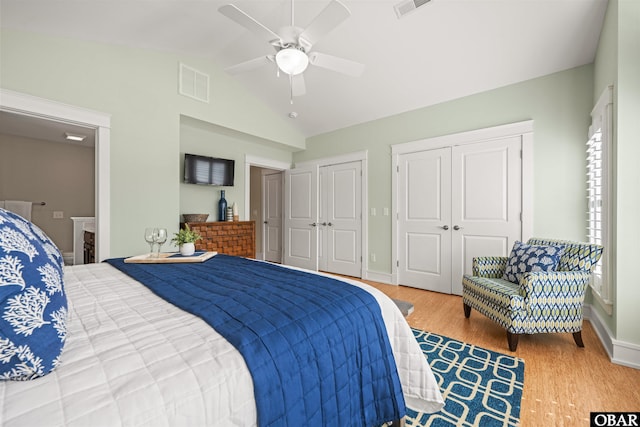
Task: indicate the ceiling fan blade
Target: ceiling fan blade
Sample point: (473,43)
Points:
(340,65)
(250,65)
(298,87)
(330,17)
(242,18)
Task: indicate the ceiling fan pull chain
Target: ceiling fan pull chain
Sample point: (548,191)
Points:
(291,89)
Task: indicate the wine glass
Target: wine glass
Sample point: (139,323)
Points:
(150,236)
(161,238)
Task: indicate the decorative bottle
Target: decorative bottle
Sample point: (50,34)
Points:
(222,207)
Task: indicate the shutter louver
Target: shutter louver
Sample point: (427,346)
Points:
(595,194)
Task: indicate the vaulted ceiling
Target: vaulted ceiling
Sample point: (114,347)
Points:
(445,49)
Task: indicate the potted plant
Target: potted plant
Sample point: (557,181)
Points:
(185,239)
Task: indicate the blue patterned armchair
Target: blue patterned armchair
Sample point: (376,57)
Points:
(532,302)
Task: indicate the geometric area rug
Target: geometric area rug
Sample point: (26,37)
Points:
(480,387)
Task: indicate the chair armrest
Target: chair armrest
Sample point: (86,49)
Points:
(491,267)
(547,285)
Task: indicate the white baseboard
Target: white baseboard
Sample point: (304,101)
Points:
(378,277)
(620,352)
(626,354)
(260,256)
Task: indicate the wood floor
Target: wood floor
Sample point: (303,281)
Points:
(562,382)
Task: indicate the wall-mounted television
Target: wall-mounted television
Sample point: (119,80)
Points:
(208,170)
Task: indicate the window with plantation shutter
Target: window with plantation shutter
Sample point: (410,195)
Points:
(598,193)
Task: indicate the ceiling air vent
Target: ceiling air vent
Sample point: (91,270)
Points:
(408,6)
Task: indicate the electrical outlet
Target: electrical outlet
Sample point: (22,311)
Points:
(386,211)
(58,214)
(373,257)
(373,212)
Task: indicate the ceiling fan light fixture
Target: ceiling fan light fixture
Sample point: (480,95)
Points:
(292,61)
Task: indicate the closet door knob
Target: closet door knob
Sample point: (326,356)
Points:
(444,227)
(457,227)
(313,225)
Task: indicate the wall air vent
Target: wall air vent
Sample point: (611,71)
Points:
(408,6)
(193,83)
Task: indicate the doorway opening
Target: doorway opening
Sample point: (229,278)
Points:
(39,109)
(264,205)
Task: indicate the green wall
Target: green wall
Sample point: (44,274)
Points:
(627,204)
(198,137)
(139,88)
(559,104)
(618,63)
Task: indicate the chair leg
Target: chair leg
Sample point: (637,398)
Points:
(467,310)
(512,339)
(577,337)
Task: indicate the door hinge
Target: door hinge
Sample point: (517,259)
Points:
(397,168)
(520,153)
(520,216)
(397,263)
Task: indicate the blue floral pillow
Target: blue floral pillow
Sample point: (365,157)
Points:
(525,258)
(33,305)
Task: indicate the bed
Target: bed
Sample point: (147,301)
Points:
(132,358)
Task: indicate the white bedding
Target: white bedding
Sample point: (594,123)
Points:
(133,359)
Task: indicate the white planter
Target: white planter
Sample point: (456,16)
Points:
(187,249)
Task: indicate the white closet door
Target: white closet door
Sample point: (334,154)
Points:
(272,205)
(301,217)
(424,215)
(341,218)
(458,197)
(486,202)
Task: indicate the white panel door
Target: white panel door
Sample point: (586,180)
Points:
(424,215)
(486,202)
(300,218)
(272,206)
(341,218)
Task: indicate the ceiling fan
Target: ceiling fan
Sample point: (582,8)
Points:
(294,45)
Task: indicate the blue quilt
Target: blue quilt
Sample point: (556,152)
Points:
(317,348)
